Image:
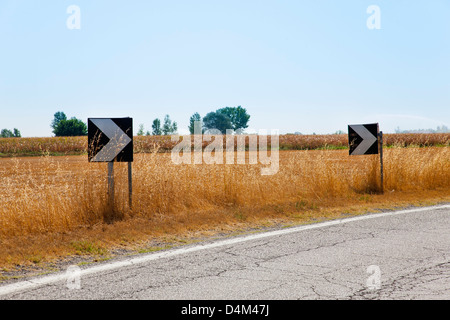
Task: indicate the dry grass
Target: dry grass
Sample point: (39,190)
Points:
(147,144)
(51,206)
(42,146)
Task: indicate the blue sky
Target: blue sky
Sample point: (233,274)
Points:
(307,66)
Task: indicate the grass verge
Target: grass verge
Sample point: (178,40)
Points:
(51,251)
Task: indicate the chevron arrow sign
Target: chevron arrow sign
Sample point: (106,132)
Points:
(363,139)
(110,139)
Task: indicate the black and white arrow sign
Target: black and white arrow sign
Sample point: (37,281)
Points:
(363,139)
(110,139)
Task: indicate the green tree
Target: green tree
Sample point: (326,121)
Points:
(238,116)
(194,118)
(174,127)
(169,127)
(67,128)
(70,128)
(156,127)
(57,118)
(5,133)
(141,130)
(217,120)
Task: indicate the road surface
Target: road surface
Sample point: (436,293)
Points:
(392,255)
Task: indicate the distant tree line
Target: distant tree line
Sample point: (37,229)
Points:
(169,127)
(5,133)
(63,127)
(443,129)
(223,119)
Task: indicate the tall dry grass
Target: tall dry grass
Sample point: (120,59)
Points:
(59,194)
(148,144)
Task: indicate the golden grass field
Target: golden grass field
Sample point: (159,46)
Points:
(52,207)
(78,145)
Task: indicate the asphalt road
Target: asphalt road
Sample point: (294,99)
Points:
(393,255)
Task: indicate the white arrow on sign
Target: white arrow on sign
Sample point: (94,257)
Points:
(118,140)
(366,143)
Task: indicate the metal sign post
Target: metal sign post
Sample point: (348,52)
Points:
(130,186)
(111,185)
(380,136)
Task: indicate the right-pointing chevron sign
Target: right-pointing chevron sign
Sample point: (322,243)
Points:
(110,139)
(363,139)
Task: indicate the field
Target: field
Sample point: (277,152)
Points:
(55,206)
(147,144)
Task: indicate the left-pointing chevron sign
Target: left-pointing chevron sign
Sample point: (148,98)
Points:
(363,139)
(110,139)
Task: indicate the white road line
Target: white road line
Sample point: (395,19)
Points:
(34,283)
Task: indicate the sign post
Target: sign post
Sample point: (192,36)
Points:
(111,185)
(380,135)
(130,186)
(366,139)
(111,140)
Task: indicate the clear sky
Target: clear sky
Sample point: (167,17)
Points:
(307,66)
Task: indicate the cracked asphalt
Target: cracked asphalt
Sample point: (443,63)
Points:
(411,252)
